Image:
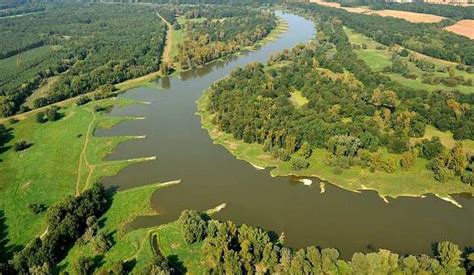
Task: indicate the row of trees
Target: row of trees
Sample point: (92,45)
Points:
(233,249)
(218,37)
(89,46)
(20,10)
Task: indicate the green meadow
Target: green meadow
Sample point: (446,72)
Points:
(64,158)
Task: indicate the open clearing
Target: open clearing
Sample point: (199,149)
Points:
(298,99)
(463,27)
(446,138)
(412,17)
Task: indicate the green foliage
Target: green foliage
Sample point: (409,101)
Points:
(390,31)
(193,225)
(87,46)
(233,249)
(83,100)
(298,164)
(66,224)
(21,145)
(431,148)
(37,208)
(83,266)
(449,255)
(223,31)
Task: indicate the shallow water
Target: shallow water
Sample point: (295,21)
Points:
(211,175)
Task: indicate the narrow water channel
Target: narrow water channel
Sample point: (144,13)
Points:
(211,175)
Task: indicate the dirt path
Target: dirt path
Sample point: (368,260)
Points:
(169,41)
(83,157)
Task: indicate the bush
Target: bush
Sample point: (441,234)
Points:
(101,243)
(83,100)
(40,117)
(468,178)
(408,159)
(443,174)
(299,164)
(21,145)
(83,266)
(12,120)
(281,154)
(404,53)
(36,208)
(52,113)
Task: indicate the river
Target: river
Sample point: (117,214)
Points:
(211,175)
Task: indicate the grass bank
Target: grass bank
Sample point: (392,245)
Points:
(64,158)
(417,181)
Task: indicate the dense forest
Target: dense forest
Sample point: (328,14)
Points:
(221,31)
(173,2)
(352,112)
(427,39)
(450,11)
(87,45)
(233,249)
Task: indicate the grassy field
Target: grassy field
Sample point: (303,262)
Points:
(188,258)
(132,246)
(377,59)
(298,99)
(64,158)
(446,138)
(415,182)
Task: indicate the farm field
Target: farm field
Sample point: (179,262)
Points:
(463,27)
(378,56)
(412,17)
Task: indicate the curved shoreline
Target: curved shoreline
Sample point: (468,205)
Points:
(217,135)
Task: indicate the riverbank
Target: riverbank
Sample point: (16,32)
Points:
(64,158)
(416,182)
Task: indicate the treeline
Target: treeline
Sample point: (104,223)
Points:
(233,249)
(90,46)
(174,2)
(422,38)
(218,37)
(450,11)
(21,10)
(66,223)
(352,112)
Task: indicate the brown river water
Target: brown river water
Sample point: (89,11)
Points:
(211,175)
